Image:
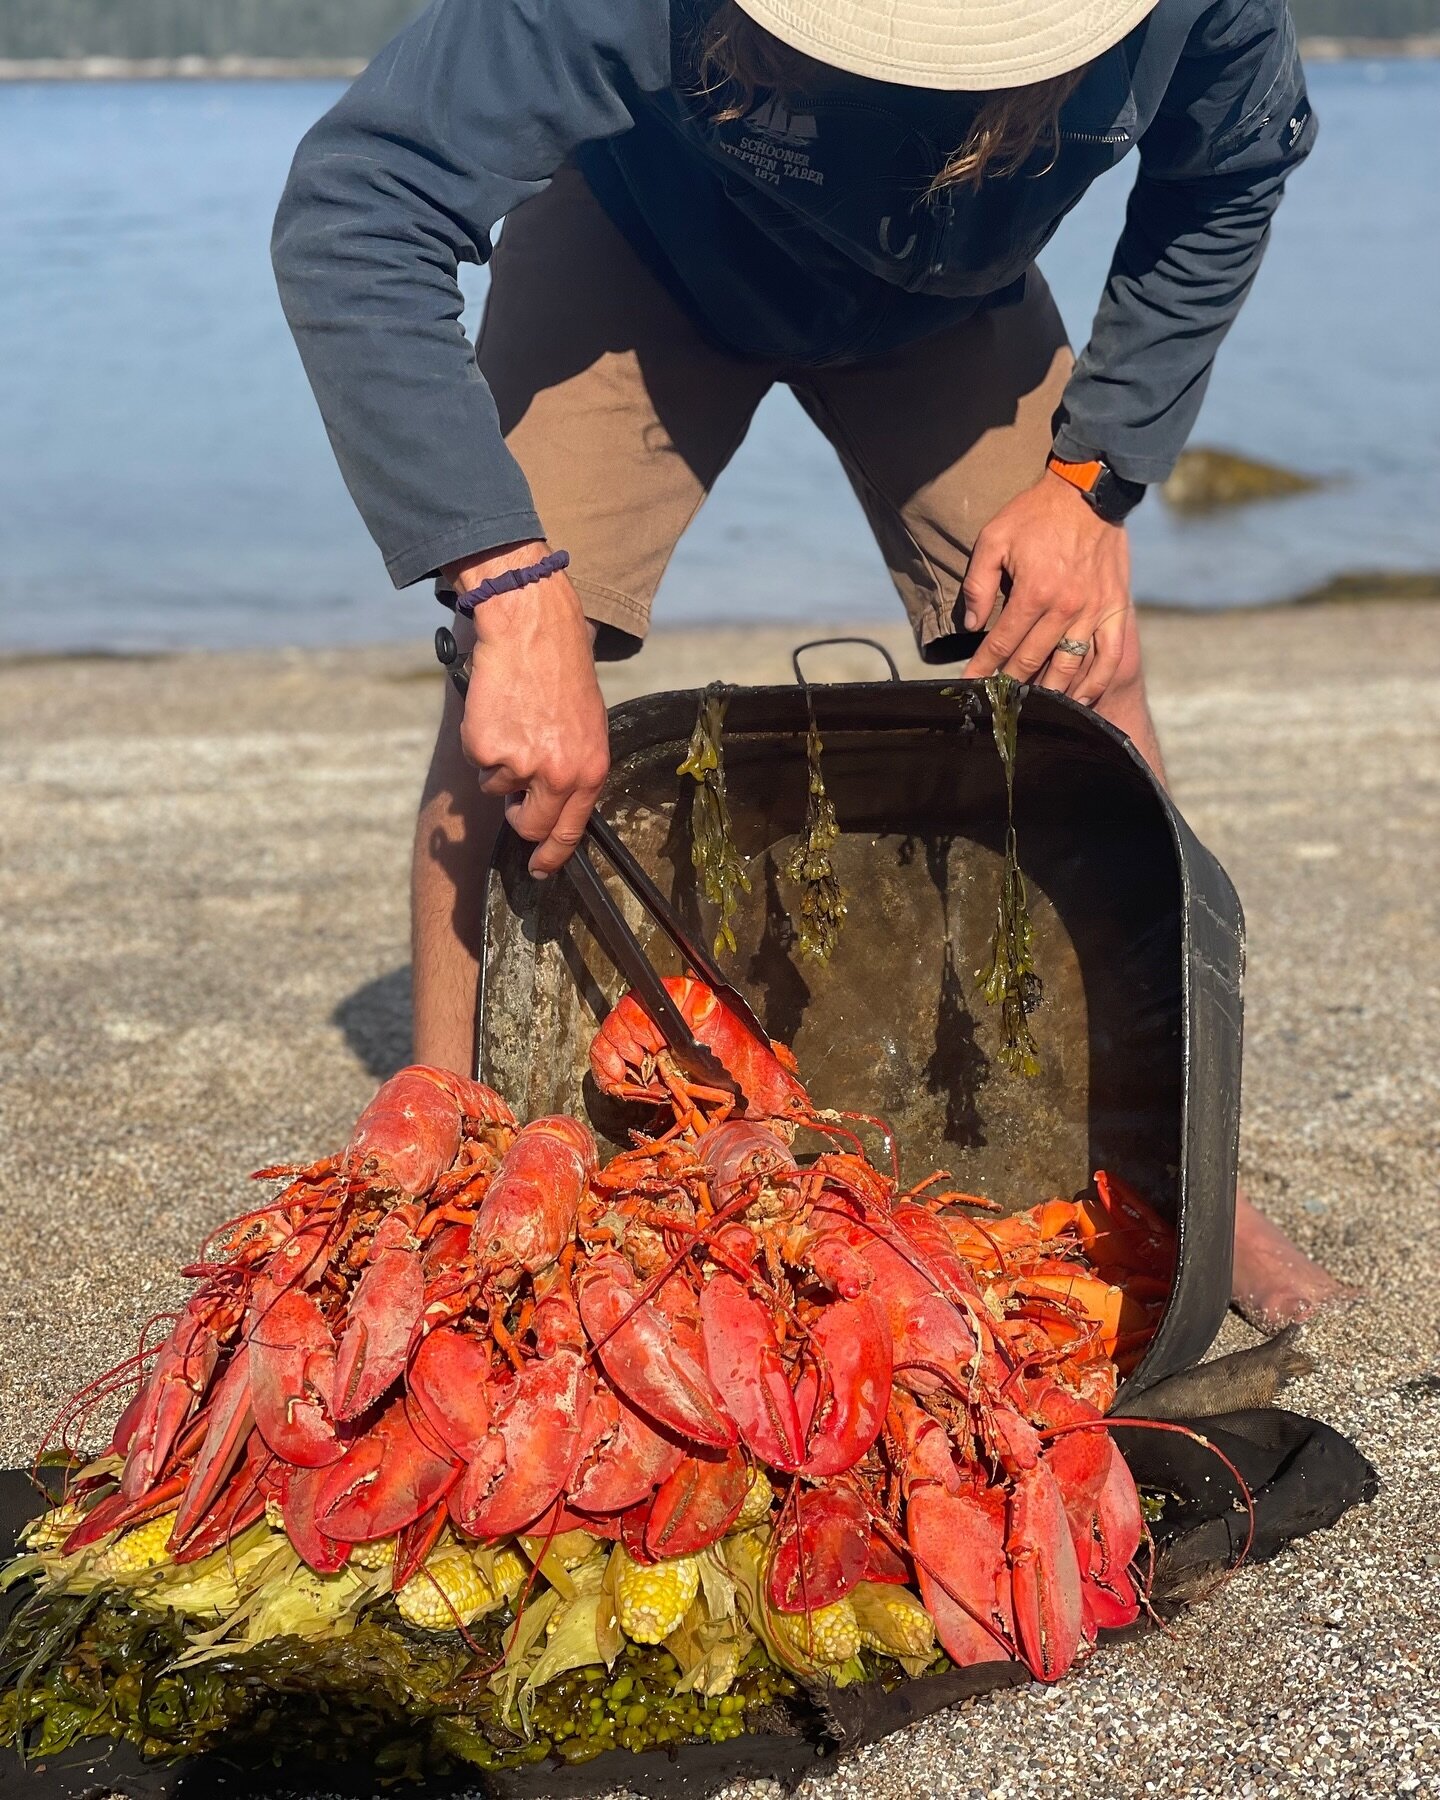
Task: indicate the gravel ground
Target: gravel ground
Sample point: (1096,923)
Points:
(203,898)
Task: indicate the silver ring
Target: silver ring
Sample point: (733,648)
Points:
(1074,646)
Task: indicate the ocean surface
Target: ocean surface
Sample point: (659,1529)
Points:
(165,481)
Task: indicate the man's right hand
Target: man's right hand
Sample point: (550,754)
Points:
(534,724)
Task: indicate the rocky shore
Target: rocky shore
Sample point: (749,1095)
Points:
(203,967)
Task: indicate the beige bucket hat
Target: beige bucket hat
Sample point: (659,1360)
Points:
(972,44)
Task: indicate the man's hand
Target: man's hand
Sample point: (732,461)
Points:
(1069,577)
(534,722)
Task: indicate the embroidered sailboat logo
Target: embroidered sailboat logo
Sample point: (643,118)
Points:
(776,120)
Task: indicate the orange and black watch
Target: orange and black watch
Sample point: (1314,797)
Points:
(1109,495)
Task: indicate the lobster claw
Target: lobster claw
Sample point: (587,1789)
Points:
(639,1353)
(697,1503)
(240,1502)
(227,1427)
(176,1386)
(958,1545)
(292,1371)
(384,1481)
(1109,1542)
(627,1461)
(1044,1574)
(743,1357)
(449,1384)
(530,1450)
(383,1312)
(820,1549)
(299,1491)
(844,1391)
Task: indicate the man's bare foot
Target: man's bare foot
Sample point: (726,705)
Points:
(1275,1283)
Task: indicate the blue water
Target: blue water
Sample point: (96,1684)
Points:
(164,479)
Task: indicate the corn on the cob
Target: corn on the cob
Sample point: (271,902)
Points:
(379,1553)
(508,1574)
(652,1599)
(447,1592)
(828,1636)
(759,1497)
(143,1547)
(721,1667)
(892,1620)
(51,1529)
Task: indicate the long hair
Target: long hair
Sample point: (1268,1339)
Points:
(736,58)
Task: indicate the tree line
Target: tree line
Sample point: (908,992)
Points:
(356,28)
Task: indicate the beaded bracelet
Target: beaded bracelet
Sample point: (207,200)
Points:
(506,583)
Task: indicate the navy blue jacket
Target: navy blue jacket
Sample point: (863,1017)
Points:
(802,235)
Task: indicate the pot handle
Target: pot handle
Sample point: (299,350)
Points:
(826,643)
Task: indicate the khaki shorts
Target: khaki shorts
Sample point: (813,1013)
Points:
(622,413)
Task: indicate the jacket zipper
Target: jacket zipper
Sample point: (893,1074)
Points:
(1095,137)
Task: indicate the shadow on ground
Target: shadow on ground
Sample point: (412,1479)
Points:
(376,1022)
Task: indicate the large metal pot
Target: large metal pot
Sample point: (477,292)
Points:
(1139,944)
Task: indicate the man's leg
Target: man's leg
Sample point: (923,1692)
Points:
(454,837)
(936,439)
(621,415)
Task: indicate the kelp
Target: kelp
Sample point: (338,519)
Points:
(713,850)
(1011,982)
(410,1703)
(822,900)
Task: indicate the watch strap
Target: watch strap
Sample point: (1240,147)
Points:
(1109,495)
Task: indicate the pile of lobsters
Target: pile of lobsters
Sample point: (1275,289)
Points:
(461,1330)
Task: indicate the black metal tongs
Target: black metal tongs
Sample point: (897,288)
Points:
(625,950)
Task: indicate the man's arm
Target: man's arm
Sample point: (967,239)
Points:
(1235,120)
(467,113)
(1213,164)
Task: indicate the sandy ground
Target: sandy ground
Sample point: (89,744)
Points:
(204,968)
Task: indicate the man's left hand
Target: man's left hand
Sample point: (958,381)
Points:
(1068,577)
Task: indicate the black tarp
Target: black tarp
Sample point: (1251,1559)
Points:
(1303,1476)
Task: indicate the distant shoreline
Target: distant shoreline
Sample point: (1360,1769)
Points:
(345,68)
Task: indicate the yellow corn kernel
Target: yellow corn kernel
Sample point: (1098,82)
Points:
(828,1636)
(274,1517)
(652,1598)
(140,1548)
(379,1553)
(759,1497)
(447,1592)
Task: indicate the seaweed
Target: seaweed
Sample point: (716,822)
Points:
(1011,982)
(412,1703)
(822,899)
(713,849)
